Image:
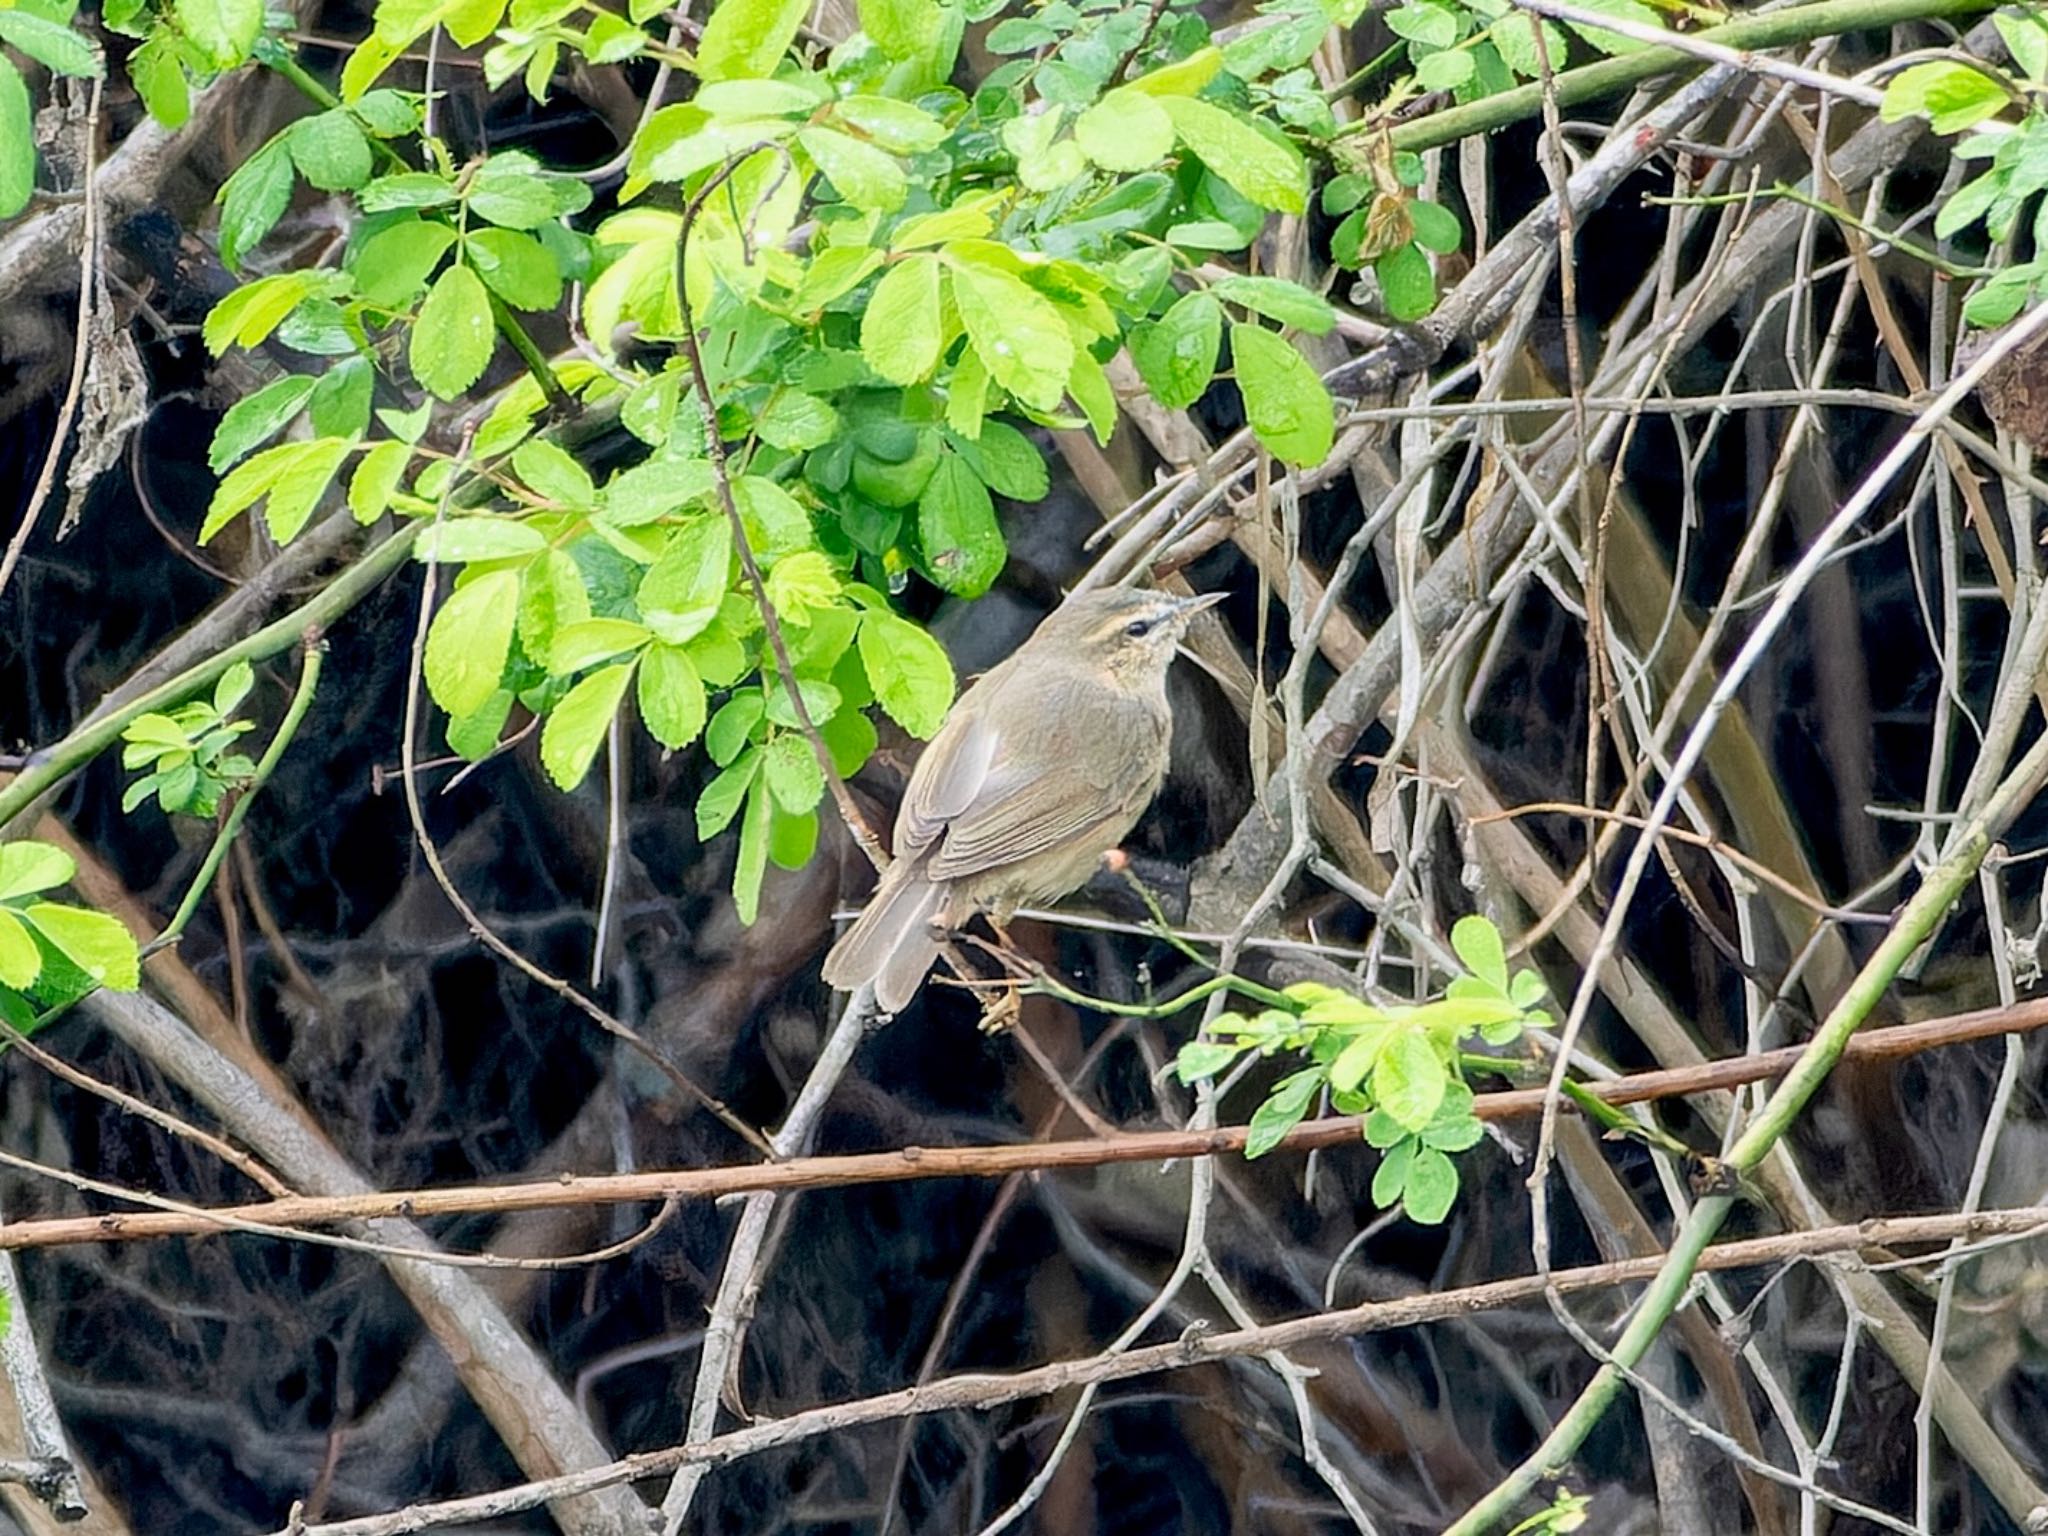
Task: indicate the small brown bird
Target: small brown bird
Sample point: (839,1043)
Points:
(1041,769)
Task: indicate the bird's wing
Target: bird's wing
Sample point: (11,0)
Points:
(985,804)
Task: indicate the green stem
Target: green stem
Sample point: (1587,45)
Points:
(536,360)
(1797,24)
(1792,194)
(57,762)
(1917,921)
(302,699)
(1179,1003)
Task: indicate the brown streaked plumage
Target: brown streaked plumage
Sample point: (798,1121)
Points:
(1043,766)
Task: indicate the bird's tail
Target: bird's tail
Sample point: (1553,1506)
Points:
(890,944)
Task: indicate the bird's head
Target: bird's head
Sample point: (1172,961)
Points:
(1125,634)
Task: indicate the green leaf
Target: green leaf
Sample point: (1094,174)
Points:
(790,769)
(576,727)
(517,268)
(896,126)
(97,944)
(956,524)
(340,402)
(1088,387)
(1422,22)
(452,340)
(552,472)
(249,314)
(1515,38)
(462,539)
(299,486)
(2002,297)
(720,800)
(821,702)
(1019,335)
(1355,1062)
(407,189)
(1391,1177)
(1200,1059)
(469,22)
(1184,77)
(159,78)
(1436,227)
(588,641)
(1282,1111)
(331,151)
(469,641)
(835,272)
(863,175)
(648,492)
(1971,202)
(233,687)
(513,190)
(1446,71)
(671,696)
(1007,462)
(17,142)
(20,960)
(1127,130)
(731,728)
(900,333)
(746,39)
(1284,400)
(376,478)
(1431,1187)
(903,29)
(681,592)
(1454,1133)
(55,46)
(1952,96)
(792,839)
(1478,943)
(474,736)
(1269,171)
(1614,42)
(797,422)
(1409,1078)
(1045,161)
(392,266)
(752,862)
(908,670)
(1177,356)
(1406,283)
(775,521)
(802,585)
(1278,300)
(2026,39)
(29,867)
(252,421)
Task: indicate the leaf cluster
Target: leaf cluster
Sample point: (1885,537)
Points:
(1969,97)
(1401,1066)
(189,751)
(52,953)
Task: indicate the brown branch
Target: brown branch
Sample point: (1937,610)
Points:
(88,287)
(915,1163)
(1191,1349)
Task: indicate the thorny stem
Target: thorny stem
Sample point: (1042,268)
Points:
(1792,194)
(714,451)
(1796,24)
(1920,917)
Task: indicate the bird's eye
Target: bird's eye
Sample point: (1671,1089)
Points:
(1138,627)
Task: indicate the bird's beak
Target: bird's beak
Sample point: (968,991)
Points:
(1190,606)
